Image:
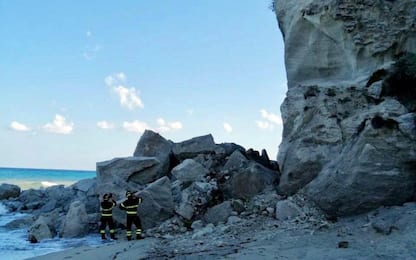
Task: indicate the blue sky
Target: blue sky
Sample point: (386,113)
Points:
(81,80)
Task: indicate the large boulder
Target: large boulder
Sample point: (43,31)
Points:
(9,191)
(40,230)
(152,144)
(219,213)
(157,204)
(57,196)
(349,139)
(246,182)
(229,148)
(191,201)
(32,199)
(286,209)
(198,145)
(189,171)
(235,161)
(86,191)
(76,221)
(121,174)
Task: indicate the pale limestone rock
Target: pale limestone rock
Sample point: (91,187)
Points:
(346,145)
(75,221)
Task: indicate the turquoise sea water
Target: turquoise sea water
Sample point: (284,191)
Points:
(41,178)
(13,242)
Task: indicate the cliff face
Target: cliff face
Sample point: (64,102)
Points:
(349,139)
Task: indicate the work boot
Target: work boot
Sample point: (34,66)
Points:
(138,237)
(113,237)
(129,238)
(103,237)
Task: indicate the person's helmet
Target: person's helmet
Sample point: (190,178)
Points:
(128,194)
(105,196)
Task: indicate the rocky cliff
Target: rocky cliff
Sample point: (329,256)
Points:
(349,139)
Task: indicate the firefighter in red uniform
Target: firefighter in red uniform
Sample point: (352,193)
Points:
(107,206)
(130,205)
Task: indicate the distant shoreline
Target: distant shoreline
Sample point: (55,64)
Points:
(43,169)
(42,184)
(28,178)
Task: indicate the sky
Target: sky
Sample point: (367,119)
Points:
(80,81)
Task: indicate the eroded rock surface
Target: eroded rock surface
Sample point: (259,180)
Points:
(349,139)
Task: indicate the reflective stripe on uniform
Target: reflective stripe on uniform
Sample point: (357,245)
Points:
(102,231)
(111,208)
(131,212)
(138,231)
(106,215)
(128,233)
(112,231)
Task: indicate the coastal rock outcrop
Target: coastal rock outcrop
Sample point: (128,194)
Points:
(9,191)
(349,138)
(68,211)
(184,179)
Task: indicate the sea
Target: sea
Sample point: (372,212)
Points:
(13,243)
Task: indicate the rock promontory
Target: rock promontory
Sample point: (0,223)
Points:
(349,138)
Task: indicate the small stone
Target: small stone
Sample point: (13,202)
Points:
(343,244)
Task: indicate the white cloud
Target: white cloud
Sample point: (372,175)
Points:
(59,126)
(19,127)
(269,120)
(121,76)
(105,125)
(164,126)
(161,121)
(128,97)
(271,117)
(162,129)
(135,126)
(228,128)
(115,79)
(264,125)
(176,125)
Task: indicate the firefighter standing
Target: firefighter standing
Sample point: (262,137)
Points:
(130,205)
(107,206)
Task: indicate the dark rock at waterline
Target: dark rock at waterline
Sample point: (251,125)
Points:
(23,222)
(9,191)
(40,230)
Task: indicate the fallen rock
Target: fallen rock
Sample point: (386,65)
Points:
(9,191)
(285,210)
(76,221)
(40,230)
(152,144)
(219,213)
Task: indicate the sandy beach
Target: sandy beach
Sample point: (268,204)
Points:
(265,238)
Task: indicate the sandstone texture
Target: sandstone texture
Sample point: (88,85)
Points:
(349,139)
